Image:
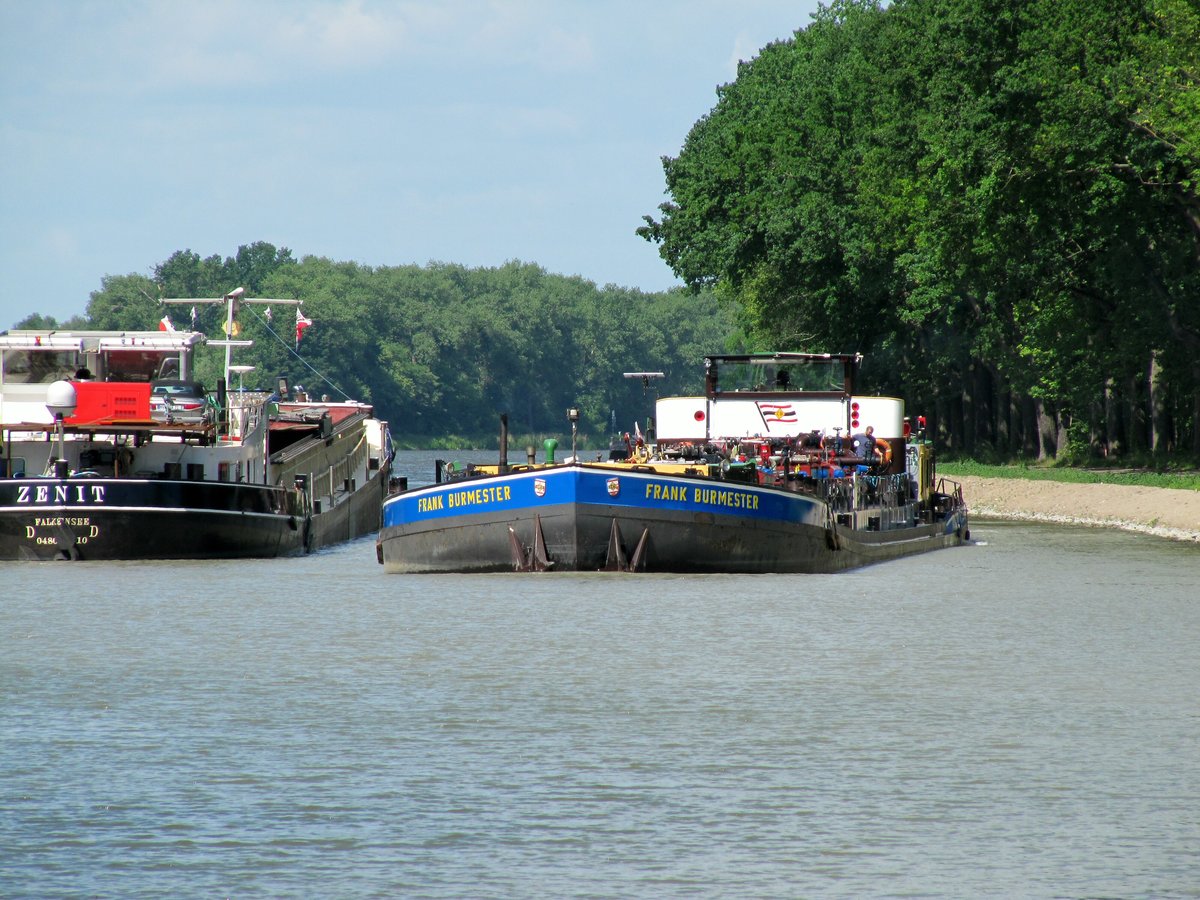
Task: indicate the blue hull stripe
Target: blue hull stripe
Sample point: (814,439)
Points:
(518,493)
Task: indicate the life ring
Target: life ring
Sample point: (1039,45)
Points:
(885,449)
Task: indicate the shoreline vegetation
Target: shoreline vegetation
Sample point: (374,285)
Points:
(1163,505)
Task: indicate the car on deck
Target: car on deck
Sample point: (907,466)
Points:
(175,400)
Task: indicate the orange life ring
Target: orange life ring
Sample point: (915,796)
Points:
(886,449)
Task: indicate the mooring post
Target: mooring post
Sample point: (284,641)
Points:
(503,443)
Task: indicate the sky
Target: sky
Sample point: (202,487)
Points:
(384,133)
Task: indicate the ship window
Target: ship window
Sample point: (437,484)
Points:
(134,365)
(38,366)
(790,375)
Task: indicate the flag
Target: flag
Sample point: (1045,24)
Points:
(776,413)
(268,315)
(302,322)
(194,318)
(637,431)
(164,324)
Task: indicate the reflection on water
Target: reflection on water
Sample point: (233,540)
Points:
(1017,718)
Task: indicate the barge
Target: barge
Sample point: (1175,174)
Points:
(779,466)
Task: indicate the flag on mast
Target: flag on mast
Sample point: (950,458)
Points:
(164,324)
(302,322)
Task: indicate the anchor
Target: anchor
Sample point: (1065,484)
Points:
(534,559)
(617,561)
(831,533)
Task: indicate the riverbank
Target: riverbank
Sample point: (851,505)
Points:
(1159,511)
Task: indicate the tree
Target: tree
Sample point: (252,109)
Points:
(125,303)
(997,201)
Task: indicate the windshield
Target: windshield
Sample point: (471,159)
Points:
(775,375)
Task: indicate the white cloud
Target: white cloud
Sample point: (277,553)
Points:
(224,43)
(526,35)
(348,35)
(388,130)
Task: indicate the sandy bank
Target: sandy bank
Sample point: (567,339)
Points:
(1160,511)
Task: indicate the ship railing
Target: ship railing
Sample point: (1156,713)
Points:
(886,497)
(837,493)
(886,491)
(246,412)
(952,490)
(342,475)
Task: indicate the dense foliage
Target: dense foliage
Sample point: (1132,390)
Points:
(996,202)
(441,350)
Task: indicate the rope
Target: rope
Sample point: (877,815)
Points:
(292,351)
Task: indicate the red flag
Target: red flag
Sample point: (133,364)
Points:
(302,322)
(164,324)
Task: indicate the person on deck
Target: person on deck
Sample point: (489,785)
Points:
(863,445)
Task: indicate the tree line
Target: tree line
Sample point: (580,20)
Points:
(996,202)
(441,350)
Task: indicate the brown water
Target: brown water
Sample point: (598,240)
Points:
(1015,718)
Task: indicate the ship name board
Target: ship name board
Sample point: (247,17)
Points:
(705,496)
(61,493)
(476,497)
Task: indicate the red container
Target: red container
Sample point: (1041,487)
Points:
(99,402)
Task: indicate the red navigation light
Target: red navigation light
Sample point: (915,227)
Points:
(698,415)
(854,414)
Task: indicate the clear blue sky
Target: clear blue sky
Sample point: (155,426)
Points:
(386,133)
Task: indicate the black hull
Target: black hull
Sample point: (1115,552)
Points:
(118,519)
(580,538)
(356,516)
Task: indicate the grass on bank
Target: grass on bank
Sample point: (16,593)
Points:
(1188,481)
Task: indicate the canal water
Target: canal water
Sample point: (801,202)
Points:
(1020,717)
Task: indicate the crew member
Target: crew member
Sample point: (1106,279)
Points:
(863,445)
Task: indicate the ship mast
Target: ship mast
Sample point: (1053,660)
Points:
(231,300)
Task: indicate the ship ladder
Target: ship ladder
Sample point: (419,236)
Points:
(529,559)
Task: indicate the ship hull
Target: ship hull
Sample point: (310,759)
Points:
(583,518)
(356,516)
(109,466)
(120,518)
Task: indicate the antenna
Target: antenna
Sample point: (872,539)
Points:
(646,377)
(231,300)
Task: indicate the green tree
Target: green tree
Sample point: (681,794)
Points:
(996,201)
(125,303)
